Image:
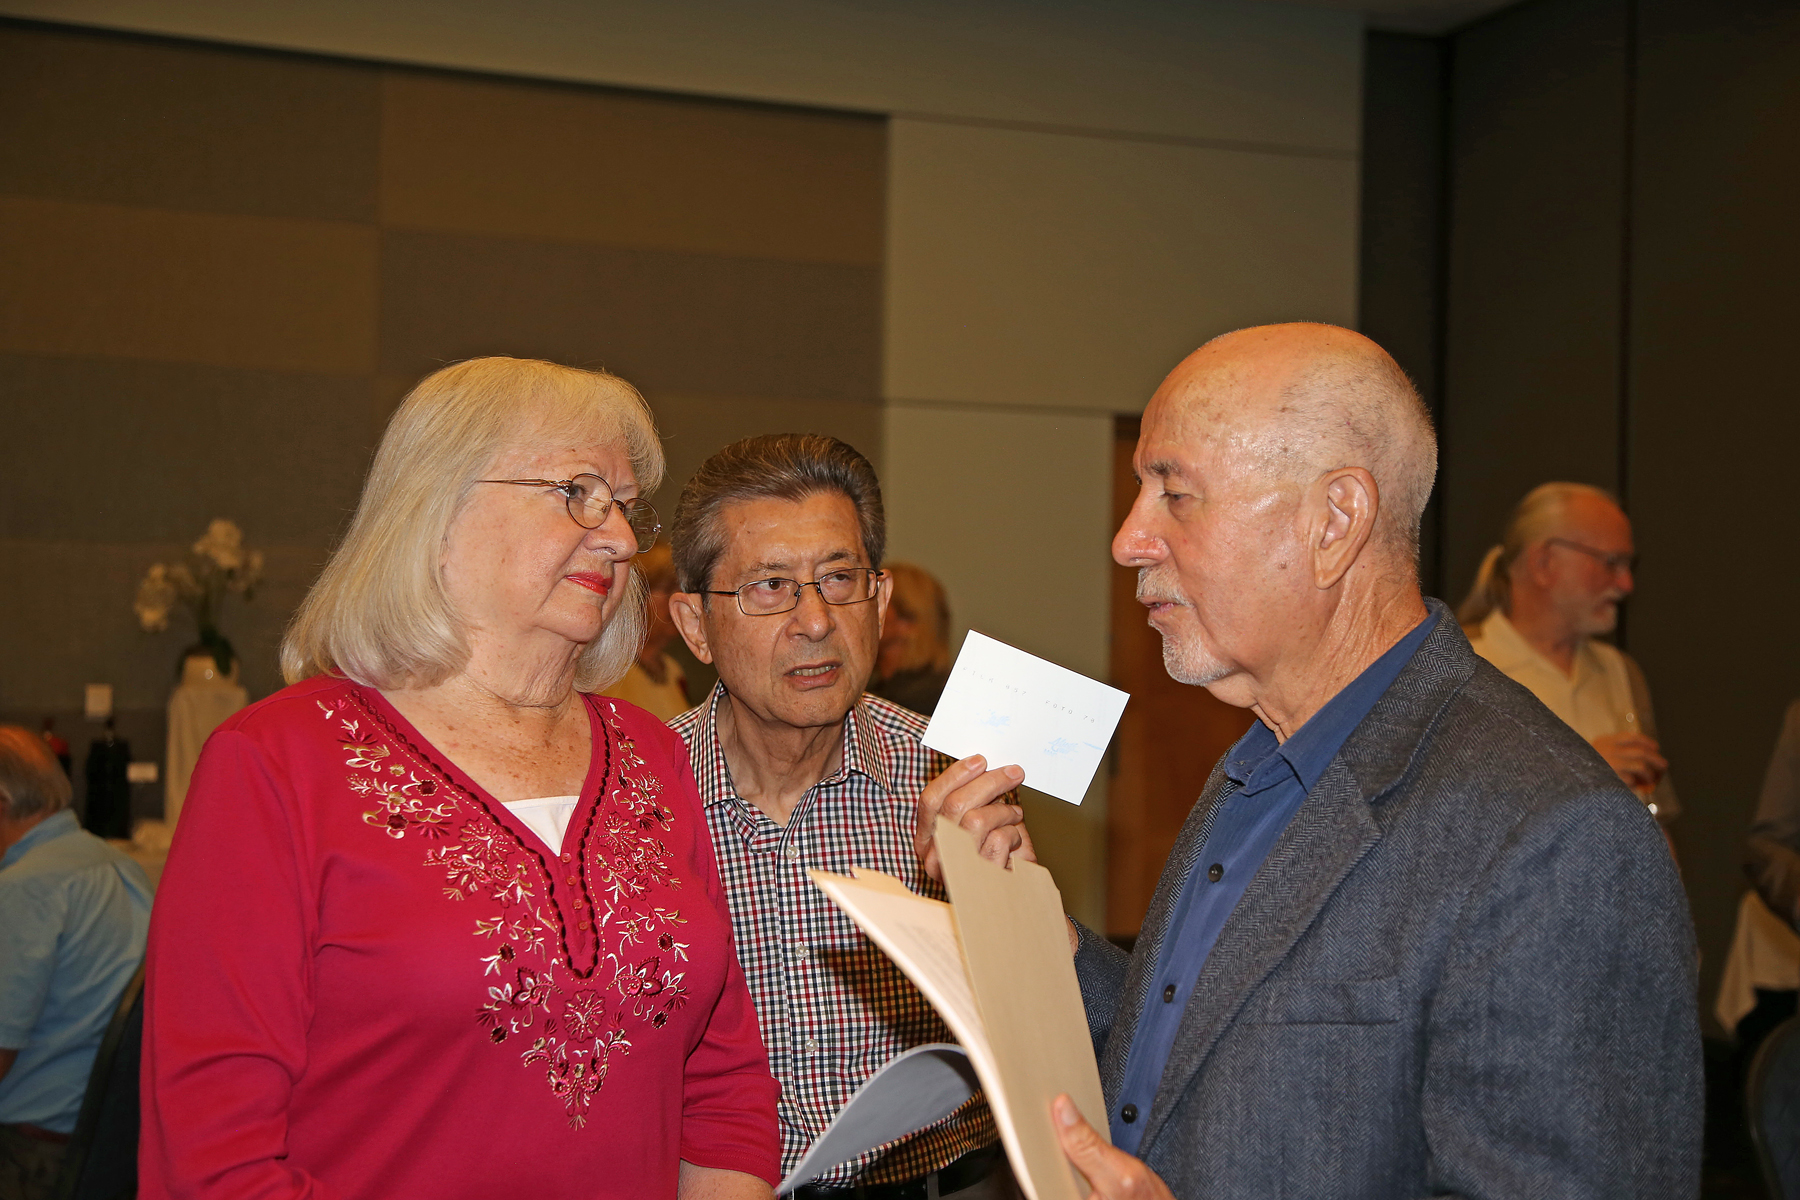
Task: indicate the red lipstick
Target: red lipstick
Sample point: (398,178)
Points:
(598,584)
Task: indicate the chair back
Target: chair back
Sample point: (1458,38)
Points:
(102,1159)
(1772,1101)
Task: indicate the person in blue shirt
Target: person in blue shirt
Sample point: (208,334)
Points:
(74,913)
(1416,938)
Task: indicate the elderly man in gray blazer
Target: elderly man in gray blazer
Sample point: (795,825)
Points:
(1415,939)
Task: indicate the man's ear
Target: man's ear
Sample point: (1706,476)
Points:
(1351,502)
(1536,561)
(688,611)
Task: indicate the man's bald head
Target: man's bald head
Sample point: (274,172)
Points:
(1281,474)
(1299,400)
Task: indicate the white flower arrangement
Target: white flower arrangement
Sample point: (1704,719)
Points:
(217,566)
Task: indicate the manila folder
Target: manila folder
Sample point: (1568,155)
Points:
(996,965)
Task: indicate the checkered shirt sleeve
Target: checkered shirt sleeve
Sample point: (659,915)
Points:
(833,1007)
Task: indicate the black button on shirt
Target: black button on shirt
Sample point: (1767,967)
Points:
(1128,1114)
(1169,994)
(1216,872)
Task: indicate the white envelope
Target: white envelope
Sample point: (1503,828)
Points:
(1015,708)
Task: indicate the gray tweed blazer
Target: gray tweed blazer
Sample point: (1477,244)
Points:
(1465,969)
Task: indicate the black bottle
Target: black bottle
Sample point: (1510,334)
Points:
(108,789)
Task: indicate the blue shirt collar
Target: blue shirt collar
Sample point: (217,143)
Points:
(1258,761)
(52,826)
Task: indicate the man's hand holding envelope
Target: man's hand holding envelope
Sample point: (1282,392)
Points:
(982,802)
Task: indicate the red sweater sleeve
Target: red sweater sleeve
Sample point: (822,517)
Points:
(229,989)
(728,1096)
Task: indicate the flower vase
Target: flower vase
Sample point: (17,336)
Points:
(200,702)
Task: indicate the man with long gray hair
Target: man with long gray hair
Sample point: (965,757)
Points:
(73,916)
(1542,601)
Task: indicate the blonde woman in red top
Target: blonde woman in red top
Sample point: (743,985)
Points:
(439,921)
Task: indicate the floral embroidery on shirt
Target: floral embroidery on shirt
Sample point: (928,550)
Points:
(575,1014)
(405,805)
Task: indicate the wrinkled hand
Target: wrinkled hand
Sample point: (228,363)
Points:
(1637,759)
(980,801)
(1112,1173)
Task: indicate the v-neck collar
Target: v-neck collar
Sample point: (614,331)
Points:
(599,756)
(573,900)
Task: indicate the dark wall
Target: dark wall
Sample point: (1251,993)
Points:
(1402,252)
(1618,286)
(220,269)
(1711,427)
(1532,307)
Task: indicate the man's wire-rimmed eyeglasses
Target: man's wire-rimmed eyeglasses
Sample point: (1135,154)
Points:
(1614,562)
(590,501)
(769,597)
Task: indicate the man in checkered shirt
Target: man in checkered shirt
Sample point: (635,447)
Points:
(778,542)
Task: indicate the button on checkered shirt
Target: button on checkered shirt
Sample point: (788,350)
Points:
(833,1008)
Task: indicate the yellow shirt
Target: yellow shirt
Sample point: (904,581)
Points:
(1594,699)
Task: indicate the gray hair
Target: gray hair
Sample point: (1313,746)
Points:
(1543,513)
(379,614)
(32,782)
(775,466)
(1361,409)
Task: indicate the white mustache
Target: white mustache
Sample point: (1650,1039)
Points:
(1157,585)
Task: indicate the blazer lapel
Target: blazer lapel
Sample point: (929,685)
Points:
(1332,831)
(1329,834)
(1181,861)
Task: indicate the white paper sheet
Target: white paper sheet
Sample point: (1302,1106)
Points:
(917,1088)
(1015,708)
(919,935)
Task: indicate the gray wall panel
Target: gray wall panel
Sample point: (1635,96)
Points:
(695,427)
(681,322)
(209,313)
(135,121)
(1399,296)
(67,609)
(1713,417)
(110,450)
(1534,288)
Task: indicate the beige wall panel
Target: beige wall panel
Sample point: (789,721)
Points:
(184,287)
(130,121)
(517,159)
(1012,511)
(1044,270)
(1226,69)
(664,320)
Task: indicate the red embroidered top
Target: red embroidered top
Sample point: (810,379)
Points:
(368,979)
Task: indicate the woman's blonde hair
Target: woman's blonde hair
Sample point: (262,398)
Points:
(378,613)
(1543,513)
(918,594)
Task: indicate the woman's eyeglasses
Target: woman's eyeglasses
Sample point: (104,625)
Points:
(590,501)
